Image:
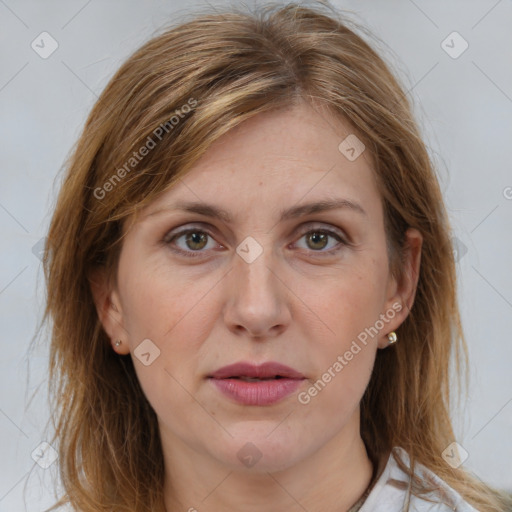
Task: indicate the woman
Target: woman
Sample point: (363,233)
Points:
(252,285)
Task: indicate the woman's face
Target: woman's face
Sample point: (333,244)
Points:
(275,282)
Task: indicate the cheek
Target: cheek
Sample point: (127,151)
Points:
(165,304)
(345,303)
(172,310)
(344,341)
(343,361)
(175,311)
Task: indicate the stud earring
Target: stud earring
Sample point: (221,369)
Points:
(392,337)
(117,343)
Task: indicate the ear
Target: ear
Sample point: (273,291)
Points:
(108,307)
(401,292)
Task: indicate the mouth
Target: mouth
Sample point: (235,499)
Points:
(248,384)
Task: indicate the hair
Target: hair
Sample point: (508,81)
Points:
(209,74)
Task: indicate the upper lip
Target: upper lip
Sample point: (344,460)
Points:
(262,371)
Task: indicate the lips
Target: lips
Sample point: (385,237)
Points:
(256,385)
(265,371)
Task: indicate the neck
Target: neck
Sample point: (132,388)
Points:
(331,479)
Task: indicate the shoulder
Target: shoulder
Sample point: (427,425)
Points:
(389,494)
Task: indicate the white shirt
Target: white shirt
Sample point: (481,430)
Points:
(385,497)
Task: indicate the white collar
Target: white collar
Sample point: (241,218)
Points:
(387,497)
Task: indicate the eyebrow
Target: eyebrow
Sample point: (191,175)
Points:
(210,210)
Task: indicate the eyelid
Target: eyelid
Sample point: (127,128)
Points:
(303,228)
(184,228)
(322,226)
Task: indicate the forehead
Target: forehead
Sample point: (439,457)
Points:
(278,159)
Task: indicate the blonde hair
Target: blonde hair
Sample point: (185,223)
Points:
(228,67)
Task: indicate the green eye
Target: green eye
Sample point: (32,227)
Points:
(318,239)
(195,241)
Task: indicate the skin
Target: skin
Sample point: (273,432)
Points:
(294,304)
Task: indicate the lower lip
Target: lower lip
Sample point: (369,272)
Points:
(265,392)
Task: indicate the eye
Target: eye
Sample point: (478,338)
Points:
(318,239)
(194,240)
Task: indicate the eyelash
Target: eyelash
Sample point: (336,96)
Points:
(168,240)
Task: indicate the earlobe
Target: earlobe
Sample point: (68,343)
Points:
(108,308)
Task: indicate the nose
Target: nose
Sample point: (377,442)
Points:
(257,298)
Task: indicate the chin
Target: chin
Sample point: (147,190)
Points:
(263,449)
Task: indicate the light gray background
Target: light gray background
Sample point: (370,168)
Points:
(464,106)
